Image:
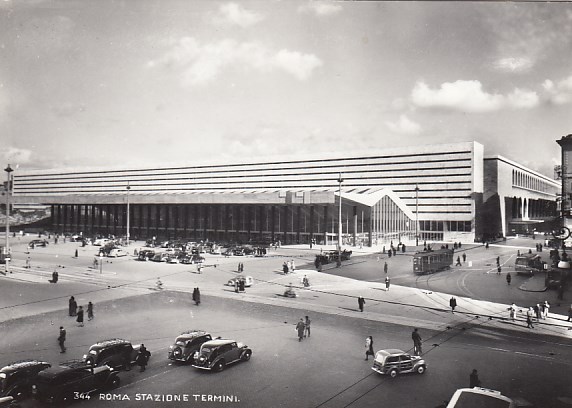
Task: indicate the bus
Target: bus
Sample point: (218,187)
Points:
(529,264)
(432,261)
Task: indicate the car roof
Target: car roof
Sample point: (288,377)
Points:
(218,342)
(109,342)
(477,396)
(22,364)
(391,352)
(191,334)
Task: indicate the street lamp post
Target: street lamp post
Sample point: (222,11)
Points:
(340,180)
(416,215)
(128,188)
(8,171)
(101,263)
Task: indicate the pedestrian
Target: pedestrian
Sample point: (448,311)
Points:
(569,313)
(62,339)
(385,267)
(474,379)
(508,278)
(387,282)
(487,245)
(285,268)
(28,263)
(90,311)
(545,309)
(453,304)
(464,256)
(498,260)
(55,277)
(198,297)
(416,342)
(72,306)
(499,270)
(300,328)
(512,311)
(537,311)
(458,261)
(200,268)
(241,286)
(79,318)
(307,326)
(76,254)
(236,285)
(361,302)
(518,252)
(292,266)
(368,347)
(529,318)
(142,357)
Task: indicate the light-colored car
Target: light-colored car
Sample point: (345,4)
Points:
(480,397)
(101,241)
(116,253)
(394,362)
(248,280)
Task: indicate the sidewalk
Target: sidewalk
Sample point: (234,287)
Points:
(328,293)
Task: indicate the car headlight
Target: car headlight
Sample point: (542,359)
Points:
(84,356)
(2,375)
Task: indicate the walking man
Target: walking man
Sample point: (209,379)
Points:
(62,339)
(387,282)
(508,278)
(474,379)
(453,304)
(300,328)
(569,314)
(529,318)
(90,311)
(142,357)
(512,311)
(307,326)
(368,347)
(458,261)
(72,306)
(464,254)
(385,267)
(361,302)
(416,342)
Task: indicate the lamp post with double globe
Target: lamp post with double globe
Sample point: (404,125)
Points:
(8,171)
(128,188)
(340,180)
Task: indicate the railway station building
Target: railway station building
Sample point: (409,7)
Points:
(441,192)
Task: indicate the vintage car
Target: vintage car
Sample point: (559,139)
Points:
(38,243)
(160,257)
(145,254)
(479,397)
(217,354)
(116,252)
(395,362)
(187,344)
(118,354)
(192,259)
(16,378)
(248,280)
(72,381)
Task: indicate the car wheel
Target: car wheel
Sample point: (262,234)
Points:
(219,366)
(246,355)
(421,369)
(393,373)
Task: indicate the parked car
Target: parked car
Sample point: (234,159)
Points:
(160,257)
(145,254)
(192,259)
(38,243)
(187,344)
(248,280)
(101,241)
(394,362)
(71,381)
(479,397)
(217,354)
(118,354)
(116,252)
(16,378)
(173,258)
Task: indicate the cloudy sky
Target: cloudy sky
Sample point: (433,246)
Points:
(140,83)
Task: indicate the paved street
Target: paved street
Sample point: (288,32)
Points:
(278,371)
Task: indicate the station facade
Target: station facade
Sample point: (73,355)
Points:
(442,192)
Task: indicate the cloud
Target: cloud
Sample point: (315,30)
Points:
(469,96)
(17,156)
(235,14)
(200,63)
(559,93)
(514,64)
(320,8)
(404,126)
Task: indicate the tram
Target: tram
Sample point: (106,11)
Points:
(432,261)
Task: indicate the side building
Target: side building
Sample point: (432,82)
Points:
(428,193)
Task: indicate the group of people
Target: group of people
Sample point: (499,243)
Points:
(197,296)
(303,328)
(288,267)
(538,312)
(78,312)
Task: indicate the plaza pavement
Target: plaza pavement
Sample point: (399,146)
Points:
(328,293)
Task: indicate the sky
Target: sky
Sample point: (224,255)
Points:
(158,83)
